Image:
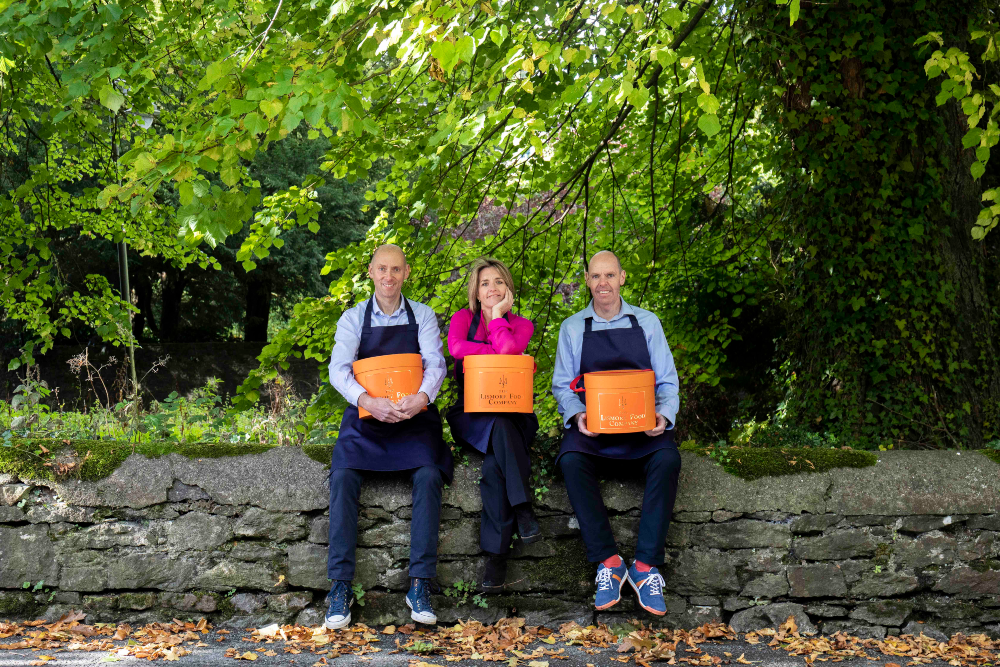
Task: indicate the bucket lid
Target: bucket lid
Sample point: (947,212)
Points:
(387,362)
(518,362)
(629,379)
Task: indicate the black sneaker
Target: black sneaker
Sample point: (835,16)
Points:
(495,573)
(527,523)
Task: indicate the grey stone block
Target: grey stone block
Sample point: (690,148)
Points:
(816,581)
(307,566)
(138,570)
(319,530)
(289,602)
(26,554)
(989,522)
(229,574)
(706,487)
(884,584)
(744,534)
(202,602)
(11,494)
(276,526)
(701,573)
(808,524)
(966,582)
(248,603)
(853,628)
(916,628)
(396,533)
(923,524)
(107,535)
(837,545)
(55,512)
(138,482)
(85,571)
(197,531)
(883,612)
(826,611)
(282,479)
(692,517)
(255,551)
(181,492)
(682,534)
(12,514)
(760,560)
(720,516)
(933,548)
(981,546)
(916,482)
(767,586)
(458,539)
(771,616)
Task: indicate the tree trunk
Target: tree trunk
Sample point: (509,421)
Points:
(170,313)
(258,308)
(144,301)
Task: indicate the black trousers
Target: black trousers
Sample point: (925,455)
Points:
(583,473)
(504,483)
(345,491)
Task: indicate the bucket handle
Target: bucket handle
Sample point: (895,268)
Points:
(533,370)
(574,386)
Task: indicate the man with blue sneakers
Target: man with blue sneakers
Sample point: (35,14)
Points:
(610,334)
(400,436)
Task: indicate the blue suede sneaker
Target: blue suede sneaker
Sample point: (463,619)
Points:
(609,585)
(418,599)
(338,613)
(649,589)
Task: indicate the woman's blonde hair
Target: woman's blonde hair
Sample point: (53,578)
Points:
(477,267)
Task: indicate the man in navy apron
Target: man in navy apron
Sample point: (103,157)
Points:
(400,436)
(612,335)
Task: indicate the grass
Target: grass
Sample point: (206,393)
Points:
(754,463)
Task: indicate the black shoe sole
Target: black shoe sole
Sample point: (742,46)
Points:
(496,588)
(531,539)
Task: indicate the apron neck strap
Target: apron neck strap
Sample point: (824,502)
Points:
(588,323)
(411,325)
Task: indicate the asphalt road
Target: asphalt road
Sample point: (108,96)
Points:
(389,656)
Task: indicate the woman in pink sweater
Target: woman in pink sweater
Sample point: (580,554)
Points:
(488,326)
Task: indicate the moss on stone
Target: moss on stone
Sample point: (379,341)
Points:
(26,459)
(754,463)
(992,455)
(17,604)
(321,453)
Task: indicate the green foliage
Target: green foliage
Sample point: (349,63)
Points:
(465,592)
(96,459)
(359,595)
(751,463)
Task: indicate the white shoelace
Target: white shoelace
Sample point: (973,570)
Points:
(604,579)
(655,582)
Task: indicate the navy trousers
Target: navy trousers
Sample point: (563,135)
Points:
(504,483)
(345,490)
(583,473)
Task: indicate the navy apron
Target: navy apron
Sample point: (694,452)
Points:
(613,350)
(368,444)
(474,428)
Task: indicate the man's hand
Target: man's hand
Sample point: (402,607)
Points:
(581,423)
(412,404)
(382,409)
(661,426)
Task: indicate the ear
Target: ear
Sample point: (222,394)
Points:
(406,272)
(623,277)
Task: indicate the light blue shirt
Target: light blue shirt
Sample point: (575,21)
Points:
(348,339)
(570,348)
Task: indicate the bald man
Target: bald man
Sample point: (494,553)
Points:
(402,435)
(610,334)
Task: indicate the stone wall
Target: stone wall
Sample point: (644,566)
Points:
(914,539)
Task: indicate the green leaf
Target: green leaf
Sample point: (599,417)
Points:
(111,98)
(709,124)
(254,123)
(977,169)
(793,12)
(709,103)
(971,137)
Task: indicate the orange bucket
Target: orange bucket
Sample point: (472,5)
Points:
(619,401)
(391,376)
(499,383)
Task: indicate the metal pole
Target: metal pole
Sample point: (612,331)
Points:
(126,291)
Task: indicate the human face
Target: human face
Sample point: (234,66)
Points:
(388,271)
(492,287)
(605,279)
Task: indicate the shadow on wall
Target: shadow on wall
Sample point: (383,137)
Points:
(187,367)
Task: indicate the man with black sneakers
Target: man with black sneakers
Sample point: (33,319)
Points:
(609,335)
(400,436)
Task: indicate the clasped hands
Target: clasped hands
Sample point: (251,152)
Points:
(392,412)
(661,425)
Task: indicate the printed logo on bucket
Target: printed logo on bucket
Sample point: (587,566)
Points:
(391,379)
(500,389)
(621,409)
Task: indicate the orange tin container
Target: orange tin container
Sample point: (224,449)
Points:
(391,376)
(499,383)
(620,401)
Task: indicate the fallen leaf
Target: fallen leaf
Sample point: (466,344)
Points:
(248,656)
(389,630)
